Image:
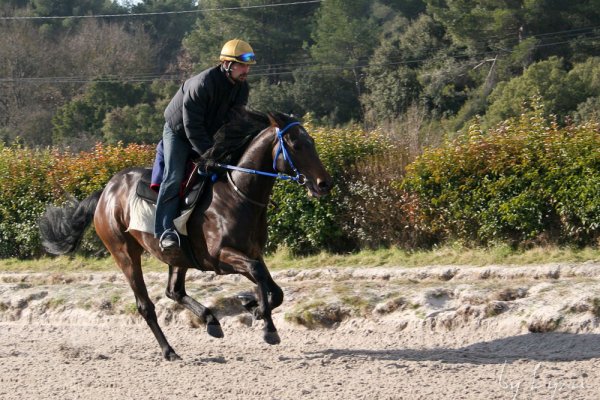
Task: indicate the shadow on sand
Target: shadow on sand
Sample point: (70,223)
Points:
(533,346)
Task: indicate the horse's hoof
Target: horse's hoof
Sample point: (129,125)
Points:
(248,300)
(171,356)
(272,337)
(215,330)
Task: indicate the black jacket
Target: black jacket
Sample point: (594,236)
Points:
(200,106)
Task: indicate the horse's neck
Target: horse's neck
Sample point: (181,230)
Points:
(258,156)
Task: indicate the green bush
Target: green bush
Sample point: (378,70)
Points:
(526,181)
(30,179)
(24,192)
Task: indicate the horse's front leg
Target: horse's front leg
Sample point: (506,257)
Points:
(176,292)
(231,260)
(251,305)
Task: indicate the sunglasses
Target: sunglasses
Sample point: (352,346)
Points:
(246,57)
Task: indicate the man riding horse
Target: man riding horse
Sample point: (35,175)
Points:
(196,112)
(227,231)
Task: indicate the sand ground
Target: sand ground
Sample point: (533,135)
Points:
(452,332)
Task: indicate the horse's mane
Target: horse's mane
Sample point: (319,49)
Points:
(232,139)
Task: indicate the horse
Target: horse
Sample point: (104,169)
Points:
(227,229)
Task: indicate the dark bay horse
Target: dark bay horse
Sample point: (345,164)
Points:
(227,230)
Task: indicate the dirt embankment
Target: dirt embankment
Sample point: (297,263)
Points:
(434,332)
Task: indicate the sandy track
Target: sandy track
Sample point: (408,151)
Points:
(429,333)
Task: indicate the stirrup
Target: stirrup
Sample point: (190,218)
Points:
(169,231)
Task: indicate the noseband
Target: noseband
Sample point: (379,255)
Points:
(281,149)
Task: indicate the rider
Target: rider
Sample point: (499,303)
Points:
(195,113)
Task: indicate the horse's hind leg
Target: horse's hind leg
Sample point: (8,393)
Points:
(127,254)
(176,292)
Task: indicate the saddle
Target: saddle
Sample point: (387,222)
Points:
(190,193)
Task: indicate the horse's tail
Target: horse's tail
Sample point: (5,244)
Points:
(62,228)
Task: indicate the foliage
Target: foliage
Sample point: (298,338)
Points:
(482,25)
(364,61)
(167,33)
(391,93)
(86,115)
(589,110)
(85,172)
(391,84)
(43,73)
(268,97)
(31,179)
(527,180)
(275,33)
(72,82)
(23,196)
(141,123)
(560,91)
(306,225)
(374,216)
(312,92)
(343,34)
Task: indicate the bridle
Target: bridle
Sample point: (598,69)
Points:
(281,151)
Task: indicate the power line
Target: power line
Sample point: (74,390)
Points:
(563,34)
(163,12)
(305,68)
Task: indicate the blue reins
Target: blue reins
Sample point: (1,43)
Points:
(281,149)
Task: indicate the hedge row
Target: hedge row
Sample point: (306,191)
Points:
(525,181)
(30,179)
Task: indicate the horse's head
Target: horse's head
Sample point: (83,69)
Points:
(295,154)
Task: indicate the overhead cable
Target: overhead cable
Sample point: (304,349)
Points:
(201,10)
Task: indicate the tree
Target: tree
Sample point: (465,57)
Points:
(392,77)
(274,97)
(97,48)
(167,31)
(390,93)
(43,73)
(83,117)
(497,26)
(275,33)
(24,103)
(141,123)
(560,91)
(344,37)
(330,98)
(407,8)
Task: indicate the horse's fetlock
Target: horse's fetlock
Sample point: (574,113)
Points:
(146,310)
(175,296)
(276,297)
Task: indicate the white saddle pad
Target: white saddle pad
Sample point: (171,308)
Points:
(142,216)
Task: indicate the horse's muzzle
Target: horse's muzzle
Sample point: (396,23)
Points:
(320,187)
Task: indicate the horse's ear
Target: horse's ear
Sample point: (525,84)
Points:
(272,120)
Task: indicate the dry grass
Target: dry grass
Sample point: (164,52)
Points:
(450,255)
(393,257)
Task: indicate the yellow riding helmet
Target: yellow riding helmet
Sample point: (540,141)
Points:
(239,51)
